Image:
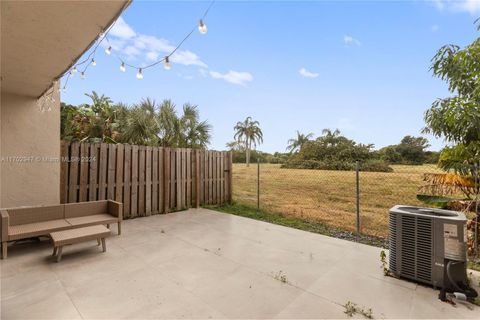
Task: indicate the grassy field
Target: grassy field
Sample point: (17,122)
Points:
(329,196)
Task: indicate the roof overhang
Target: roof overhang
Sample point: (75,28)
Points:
(41,40)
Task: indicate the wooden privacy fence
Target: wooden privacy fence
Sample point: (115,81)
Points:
(147,180)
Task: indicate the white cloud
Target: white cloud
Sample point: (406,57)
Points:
(349,41)
(235,77)
(122,30)
(131,52)
(203,72)
(470,6)
(152,56)
(435,28)
(153,43)
(187,58)
(135,46)
(307,74)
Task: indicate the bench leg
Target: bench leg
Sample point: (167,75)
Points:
(108,225)
(104,245)
(4,250)
(54,251)
(59,255)
(119,228)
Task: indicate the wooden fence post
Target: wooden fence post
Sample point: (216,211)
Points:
(197,178)
(166,180)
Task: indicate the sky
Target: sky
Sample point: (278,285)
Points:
(359,66)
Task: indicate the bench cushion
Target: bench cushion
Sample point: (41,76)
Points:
(102,218)
(36,229)
(78,235)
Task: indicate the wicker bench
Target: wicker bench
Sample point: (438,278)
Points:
(72,236)
(27,222)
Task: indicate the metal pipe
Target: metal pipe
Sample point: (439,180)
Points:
(258,184)
(357,177)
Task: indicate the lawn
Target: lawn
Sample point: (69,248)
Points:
(329,196)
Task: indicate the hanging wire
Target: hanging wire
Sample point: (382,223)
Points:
(104,36)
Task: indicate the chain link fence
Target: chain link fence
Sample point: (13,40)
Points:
(354,200)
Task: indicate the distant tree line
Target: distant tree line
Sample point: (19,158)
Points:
(333,151)
(411,150)
(144,123)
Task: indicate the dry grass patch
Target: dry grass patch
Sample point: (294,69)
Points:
(328,196)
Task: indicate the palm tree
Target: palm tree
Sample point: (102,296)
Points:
(192,132)
(297,143)
(235,146)
(186,131)
(139,124)
(248,132)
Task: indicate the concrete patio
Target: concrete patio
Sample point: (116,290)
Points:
(204,264)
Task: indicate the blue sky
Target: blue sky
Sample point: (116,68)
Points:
(362,67)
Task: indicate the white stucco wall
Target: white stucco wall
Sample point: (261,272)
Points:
(29,146)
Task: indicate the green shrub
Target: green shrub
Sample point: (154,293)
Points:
(369,165)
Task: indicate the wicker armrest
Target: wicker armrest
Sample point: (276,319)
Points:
(115,209)
(4,222)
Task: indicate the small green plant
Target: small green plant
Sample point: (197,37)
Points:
(280,276)
(352,308)
(476,301)
(383,260)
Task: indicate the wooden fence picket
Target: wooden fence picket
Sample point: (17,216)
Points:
(147,180)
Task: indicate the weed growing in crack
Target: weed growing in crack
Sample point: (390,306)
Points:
(352,309)
(383,260)
(280,276)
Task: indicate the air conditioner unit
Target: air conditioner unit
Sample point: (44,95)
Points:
(429,246)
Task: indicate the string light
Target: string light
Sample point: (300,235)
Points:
(166,64)
(202,27)
(103,35)
(139,74)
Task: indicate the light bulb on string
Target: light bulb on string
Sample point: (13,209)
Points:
(74,69)
(82,76)
(139,74)
(108,50)
(94,63)
(122,67)
(202,27)
(166,64)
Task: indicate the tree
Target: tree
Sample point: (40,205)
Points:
(144,123)
(90,123)
(235,146)
(296,144)
(457,120)
(331,146)
(248,133)
(139,125)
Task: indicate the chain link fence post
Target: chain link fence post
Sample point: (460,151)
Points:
(258,185)
(357,182)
